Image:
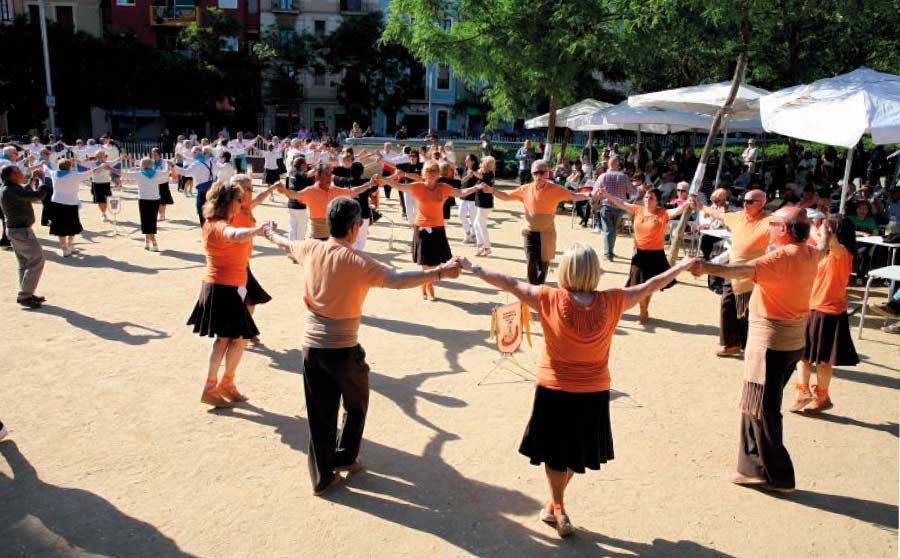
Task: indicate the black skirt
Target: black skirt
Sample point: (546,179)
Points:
(148,210)
(568,430)
(100,191)
(220,312)
(430,249)
(280,164)
(647,264)
(255,293)
(828,340)
(64,220)
(272,176)
(165,195)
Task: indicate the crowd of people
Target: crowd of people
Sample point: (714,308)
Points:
(782,289)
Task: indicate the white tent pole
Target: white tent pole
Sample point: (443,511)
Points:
(722,154)
(637,159)
(846,185)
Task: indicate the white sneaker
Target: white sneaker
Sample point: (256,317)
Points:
(154,247)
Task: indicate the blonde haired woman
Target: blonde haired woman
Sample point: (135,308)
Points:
(484,204)
(430,247)
(220,311)
(148,178)
(569,429)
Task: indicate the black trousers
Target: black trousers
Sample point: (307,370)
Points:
(330,375)
(4,241)
(762,453)
(525,176)
(537,269)
(732,331)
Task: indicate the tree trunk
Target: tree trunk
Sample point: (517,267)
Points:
(551,121)
(678,232)
(565,143)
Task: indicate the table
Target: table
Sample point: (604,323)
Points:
(892,273)
(721,234)
(879,241)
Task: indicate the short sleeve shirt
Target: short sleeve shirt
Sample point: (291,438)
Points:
(649,230)
(784,282)
(540,199)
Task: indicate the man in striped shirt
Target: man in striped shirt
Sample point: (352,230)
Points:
(607,218)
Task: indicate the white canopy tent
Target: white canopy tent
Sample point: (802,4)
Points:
(565,115)
(838,111)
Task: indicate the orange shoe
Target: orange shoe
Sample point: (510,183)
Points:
(229,390)
(211,396)
(822,402)
(804,397)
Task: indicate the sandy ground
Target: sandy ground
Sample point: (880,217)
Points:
(111,453)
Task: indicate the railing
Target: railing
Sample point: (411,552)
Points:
(173,15)
(359,6)
(286,6)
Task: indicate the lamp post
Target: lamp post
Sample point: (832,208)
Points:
(51,102)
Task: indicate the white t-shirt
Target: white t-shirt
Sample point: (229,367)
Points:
(148,188)
(271,159)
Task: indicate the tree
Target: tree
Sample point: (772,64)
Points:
(526,50)
(376,77)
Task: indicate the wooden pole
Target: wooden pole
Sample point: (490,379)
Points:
(846,186)
(678,231)
(551,122)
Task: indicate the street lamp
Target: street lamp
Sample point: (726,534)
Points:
(51,100)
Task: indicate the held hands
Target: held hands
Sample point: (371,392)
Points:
(697,266)
(266,228)
(464,263)
(451,269)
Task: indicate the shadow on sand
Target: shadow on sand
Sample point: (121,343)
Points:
(41,520)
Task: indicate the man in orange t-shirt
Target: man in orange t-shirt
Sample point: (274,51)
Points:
(779,308)
(540,199)
(749,240)
(338,278)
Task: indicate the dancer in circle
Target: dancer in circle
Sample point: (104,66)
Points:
(165,193)
(540,199)
(65,221)
(101,182)
(412,167)
(749,240)
(569,430)
(244,219)
(299,180)
(200,171)
(467,204)
(484,204)
(220,311)
(779,307)
(319,196)
(364,199)
(650,224)
(148,179)
(335,372)
(430,247)
(828,339)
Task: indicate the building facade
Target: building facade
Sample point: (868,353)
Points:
(158,22)
(77,15)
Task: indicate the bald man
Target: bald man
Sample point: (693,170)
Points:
(779,307)
(749,240)
(540,199)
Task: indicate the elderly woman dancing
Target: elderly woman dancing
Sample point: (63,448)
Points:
(220,311)
(569,430)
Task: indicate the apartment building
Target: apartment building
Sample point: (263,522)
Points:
(158,22)
(77,15)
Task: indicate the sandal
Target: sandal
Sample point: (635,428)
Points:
(211,396)
(229,390)
(730,352)
(804,398)
(822,401)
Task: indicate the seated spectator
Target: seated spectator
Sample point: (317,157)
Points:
(562,169)
(809,199)
(864,225)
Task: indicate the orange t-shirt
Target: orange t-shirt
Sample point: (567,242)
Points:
(429,203)
(649,230)
(577,339)
(317,199)
(829,291)
(784,282)
(244,219)
(226,262)
(749,239)
(338,278)
(540,200)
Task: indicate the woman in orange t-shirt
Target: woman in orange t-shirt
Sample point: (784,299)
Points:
(244,218)
(430,247)
(569,429)
(220,311)
(828,339)
(650,224)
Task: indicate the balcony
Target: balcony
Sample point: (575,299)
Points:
(176,15)
(286,6)
(359,6)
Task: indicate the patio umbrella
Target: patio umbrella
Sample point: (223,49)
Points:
(706,99)
(566,114)
(838,111)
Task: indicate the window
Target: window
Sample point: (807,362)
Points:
(252,6)
(442,120)
(229,43)
(6,11)
(319,27)
(129,3)
(319,77)
(34,14)
(285,37)
(65,17)
(443,76)
(228,4)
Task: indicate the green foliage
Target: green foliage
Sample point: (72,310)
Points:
(375,76)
